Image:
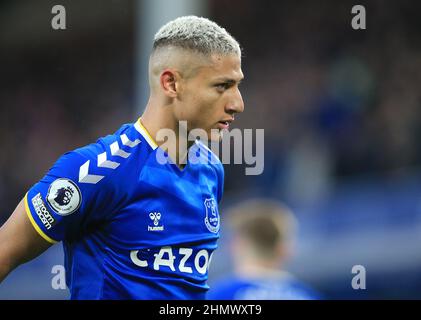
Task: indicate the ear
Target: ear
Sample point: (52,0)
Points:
(170,82)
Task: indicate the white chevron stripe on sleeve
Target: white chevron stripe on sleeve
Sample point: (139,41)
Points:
(116,151)
(104,163)
(127,142)
(85,177)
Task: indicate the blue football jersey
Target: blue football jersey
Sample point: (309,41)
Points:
(131,226)
(281,286)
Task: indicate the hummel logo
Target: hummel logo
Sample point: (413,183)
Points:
(155,217)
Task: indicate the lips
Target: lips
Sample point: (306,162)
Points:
(224,124)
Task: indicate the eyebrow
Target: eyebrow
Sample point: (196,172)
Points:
(229,80)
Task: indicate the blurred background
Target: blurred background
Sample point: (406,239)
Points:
(341,109)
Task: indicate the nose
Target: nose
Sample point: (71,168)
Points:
(236,103)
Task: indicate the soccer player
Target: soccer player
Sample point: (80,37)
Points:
(262,233)
(132,226)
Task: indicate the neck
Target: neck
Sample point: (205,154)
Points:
(255,270)
(156,118)
(250,263)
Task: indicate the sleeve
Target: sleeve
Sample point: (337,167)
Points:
(68,200)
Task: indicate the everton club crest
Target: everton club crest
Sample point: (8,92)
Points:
(212,215)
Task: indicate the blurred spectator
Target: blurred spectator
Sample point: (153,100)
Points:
(262,232)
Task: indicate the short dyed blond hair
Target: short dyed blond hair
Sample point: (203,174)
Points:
(196,34)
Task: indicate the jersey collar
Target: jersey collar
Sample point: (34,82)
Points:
(142,130)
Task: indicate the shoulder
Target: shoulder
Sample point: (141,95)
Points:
(225,288)
(207,156)
(107,158)
(304,291)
